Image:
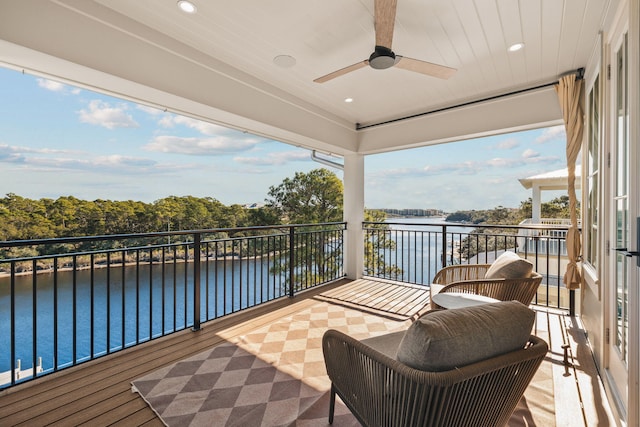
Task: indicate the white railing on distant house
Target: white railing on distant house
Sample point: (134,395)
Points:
(552,242)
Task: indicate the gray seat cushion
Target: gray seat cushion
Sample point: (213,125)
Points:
(386,344)
(445,339)
(509,266)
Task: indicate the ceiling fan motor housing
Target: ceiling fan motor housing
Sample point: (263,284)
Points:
(382,58)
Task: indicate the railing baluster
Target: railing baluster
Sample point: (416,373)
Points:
(13,323)
(163,292)
(207,258)
(123,300)
(74,310)
(186,284)
(291,261)
(108,297)
(150,294)
(215,288)
(196,281)
(444,245)
(137,296)
(92,314)
(34,316)
(55,314)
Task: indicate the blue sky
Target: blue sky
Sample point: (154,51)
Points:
(58,140)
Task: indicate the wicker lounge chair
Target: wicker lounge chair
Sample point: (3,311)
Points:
(382,391)
(470,279)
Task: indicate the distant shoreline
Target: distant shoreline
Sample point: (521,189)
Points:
(100,265)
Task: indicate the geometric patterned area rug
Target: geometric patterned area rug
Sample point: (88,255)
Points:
(275,376)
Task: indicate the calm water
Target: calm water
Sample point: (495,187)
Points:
(419,249)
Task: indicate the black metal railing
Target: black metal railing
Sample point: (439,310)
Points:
(66,301)
(414,252)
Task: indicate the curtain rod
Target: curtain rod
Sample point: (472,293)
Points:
(579,76)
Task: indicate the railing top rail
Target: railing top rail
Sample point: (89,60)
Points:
(83,239)
(470,225)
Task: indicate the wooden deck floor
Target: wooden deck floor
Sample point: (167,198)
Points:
(99,392)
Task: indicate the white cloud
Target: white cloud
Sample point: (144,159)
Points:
(54,86)
(17,154)
(200,146)
(103,114)
(116,160)
(10,157)
(43,159)
(272,159)
(529,153)
(51,85)
(115,165)
(551,134)
(507,144)
(204,128)
(500,162)
(468,167)
(149,110)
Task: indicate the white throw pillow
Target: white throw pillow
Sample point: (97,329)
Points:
(509,266)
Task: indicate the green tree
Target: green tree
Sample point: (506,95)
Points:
(310,198)
(25,219)
(313,197)
(556,208)
(377,242)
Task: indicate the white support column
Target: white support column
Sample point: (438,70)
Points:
(354,214)
(536,209)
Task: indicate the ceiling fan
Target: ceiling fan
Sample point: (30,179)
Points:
(383,57)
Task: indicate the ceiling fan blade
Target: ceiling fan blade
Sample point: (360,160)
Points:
(385,18)
(424,67)
(342,71)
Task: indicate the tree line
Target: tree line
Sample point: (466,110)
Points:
(556,208)
(313,197)
(67,216)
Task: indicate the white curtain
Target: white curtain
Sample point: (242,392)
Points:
(570,95)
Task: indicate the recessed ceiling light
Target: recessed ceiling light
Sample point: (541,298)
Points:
(516,47)
(187,6)
(348,100)
(284,61)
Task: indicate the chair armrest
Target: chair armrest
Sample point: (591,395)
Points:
(523,290)
(361,376)
(457,273)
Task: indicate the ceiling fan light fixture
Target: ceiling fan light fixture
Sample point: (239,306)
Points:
(187,6)
(382,58)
